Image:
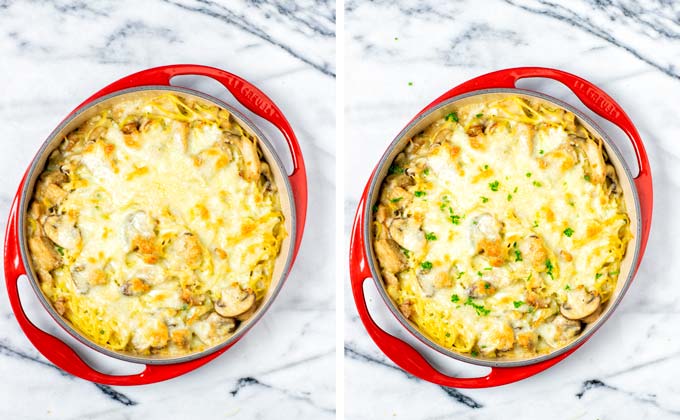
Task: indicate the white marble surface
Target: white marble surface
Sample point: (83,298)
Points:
(629,369)
(54,54)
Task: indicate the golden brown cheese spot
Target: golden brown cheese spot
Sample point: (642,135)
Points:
(493,250)
(135,287)
(181,337)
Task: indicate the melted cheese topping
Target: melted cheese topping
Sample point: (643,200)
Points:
(156,225)
(501,228)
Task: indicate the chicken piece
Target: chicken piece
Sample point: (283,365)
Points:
(52,193)
(189,247)
(389,255)
(43,253)
(580,303)
(406,309)
(559,331)
(251,159)
(135,287)
(213,329)
(481,289)
(534,252)
(408,234)
(498,335)
(62,231)
(140,235)
(595,169)
(153,333)
(534,299)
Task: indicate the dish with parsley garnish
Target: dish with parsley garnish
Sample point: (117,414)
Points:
(501,228)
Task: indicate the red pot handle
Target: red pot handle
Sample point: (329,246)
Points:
(597,101)
(249,96)
(400,352)
(56,350)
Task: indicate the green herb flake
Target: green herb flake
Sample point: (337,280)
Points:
(426,265)
(494,186)
(488,269)
(406,252)
(396,200)
(537,184)
(518,255)
(448,334)
(517,303)
(487,285)
(509,197)
(480,115)
(430,236)
(541,151)
(614,273)
(486,167)
(531,309)
(480,309)
(598,275)
(410,83)
(60,250)
(567,287)
(455,219)
(419,193)
(426,172)
(528,174)
(455,298)
(474,353)
(101,331)
(452,117)
(535,224)
(395,169)
(549,267)
(484,199)
(568,232)
(460,275)
(479,273)
(375,208)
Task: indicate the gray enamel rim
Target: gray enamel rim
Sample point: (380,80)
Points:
(376,182)
(26,196)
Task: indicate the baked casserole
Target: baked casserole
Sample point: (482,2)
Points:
(155,226)
(500,229)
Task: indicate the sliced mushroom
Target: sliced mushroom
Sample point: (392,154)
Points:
(399,180)
(43,253)
(611,182)
(580,303)
(594,316)
(407,233)
(481,289)
(251,160)
(135,287)
(596,168)
(534,252)
(62,231)
(426,281)
(390,256)
(234,301)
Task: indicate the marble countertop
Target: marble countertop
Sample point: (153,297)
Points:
(420,49)
(53,55)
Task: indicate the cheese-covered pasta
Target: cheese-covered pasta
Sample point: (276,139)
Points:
(500,229)
(155,226)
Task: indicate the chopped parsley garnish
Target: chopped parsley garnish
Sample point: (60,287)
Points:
(535,224)
(101,331)
(493,186)
(598,275)
(455,219)
(406,252)
(375,208)
(480,309)
(613,273)
(60,250)
(515,190)
(479,273)
(474,353)
(484,199)
(486,167)
(537,184)
(395,169)
(488,269)
(586,177)
(480,115)
(430,236)
(541,151)
(518,255)
(410,83)
(528,174)
(509,197)
(455,298)
(531,309)
(460,275)
(426,265)
(185,307)
(452,117)
(419,193)
(396,200)
(568,232)
(567,287)
(426,172)
(448,334)
(549,267)
(517,303)
(487,285)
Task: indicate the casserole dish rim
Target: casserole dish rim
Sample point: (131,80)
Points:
(379,175)
(36,168)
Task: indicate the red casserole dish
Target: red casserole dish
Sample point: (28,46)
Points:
(638,193)
(294,201)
